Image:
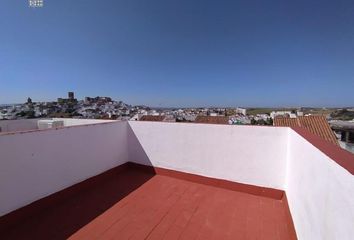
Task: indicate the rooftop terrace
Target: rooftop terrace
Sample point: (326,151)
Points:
(153,180)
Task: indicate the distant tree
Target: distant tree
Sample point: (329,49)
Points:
(21,114)
(270,121)
(343,114)
(30,114)
(261,122)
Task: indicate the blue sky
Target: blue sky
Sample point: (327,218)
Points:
(180,53)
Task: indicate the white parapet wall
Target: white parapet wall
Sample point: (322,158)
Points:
(246,154)
(18,125)
(32,124)
(320,193)
(75,121)
(36,164)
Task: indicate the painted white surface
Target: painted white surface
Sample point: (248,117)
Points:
(75,122)
(49,123)
(32,124)
(18,125)
(36,164)
(320,193)
(247,154)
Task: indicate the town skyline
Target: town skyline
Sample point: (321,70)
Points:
(54,99)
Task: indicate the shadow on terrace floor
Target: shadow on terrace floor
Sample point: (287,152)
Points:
(63,213)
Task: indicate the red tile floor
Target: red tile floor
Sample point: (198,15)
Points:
(169,208)
(158,207)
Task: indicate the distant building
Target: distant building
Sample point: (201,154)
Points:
(98,100)
(318,125)
(87,100)
(345,132)
(275,114)
(71,96)
(135,117)
(29,100)
(153,112)
(299,113)
(71,99)
(169,118)
(242,111)
(186,118)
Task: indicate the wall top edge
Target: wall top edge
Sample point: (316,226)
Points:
(342,157)
(56,128)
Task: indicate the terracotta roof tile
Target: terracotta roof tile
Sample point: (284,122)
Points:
(212,119)
(286,121)
(152,118)
(315,124)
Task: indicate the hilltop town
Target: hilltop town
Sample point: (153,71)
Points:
(107,108)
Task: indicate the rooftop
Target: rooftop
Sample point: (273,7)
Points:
(153,118)
(154,204)
(154,180)
(342,125)
(315,124)
(212,119)
(170,208)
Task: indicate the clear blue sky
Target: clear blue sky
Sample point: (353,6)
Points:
(180,53)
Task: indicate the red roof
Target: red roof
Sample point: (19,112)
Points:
(315,124)
(286,122)
(152,118)
(212,119)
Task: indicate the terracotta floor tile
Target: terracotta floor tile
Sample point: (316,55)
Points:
(159,207)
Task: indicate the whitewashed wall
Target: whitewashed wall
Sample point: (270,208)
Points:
(320,193)
(247,154)
(75,122)
(18,125)
(36,164)
(32,124)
